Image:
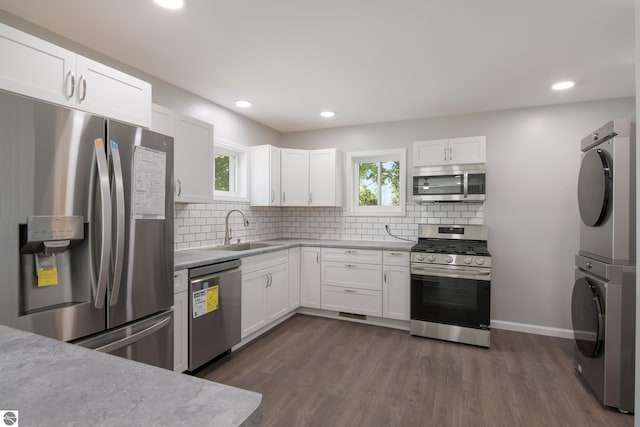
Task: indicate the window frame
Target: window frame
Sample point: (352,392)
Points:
(353,159)
(241,153)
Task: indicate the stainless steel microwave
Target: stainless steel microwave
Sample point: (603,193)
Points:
(456,183)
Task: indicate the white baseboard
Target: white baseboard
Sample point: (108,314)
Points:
(532,329)
(371,320)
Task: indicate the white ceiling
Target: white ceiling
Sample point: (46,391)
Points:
(368,60)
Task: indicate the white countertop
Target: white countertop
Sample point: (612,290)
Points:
(191,258)
(53,383)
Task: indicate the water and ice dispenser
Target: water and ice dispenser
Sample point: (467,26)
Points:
(53,258)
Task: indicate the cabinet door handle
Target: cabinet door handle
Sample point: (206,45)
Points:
(384,277)
(83,83)
(350,265)
(71,76)
(351,291)
(444,154)
(284,197)
(318,257)
(450,153)
(266,285)
(273,197)
(179,187)
(395,253)
(270,280)
(350,251)
(310,198)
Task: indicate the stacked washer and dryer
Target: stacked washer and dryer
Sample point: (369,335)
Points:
(603,299)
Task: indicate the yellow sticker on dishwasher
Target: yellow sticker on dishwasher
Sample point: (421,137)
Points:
(47,277)
(205,301)
(212,298)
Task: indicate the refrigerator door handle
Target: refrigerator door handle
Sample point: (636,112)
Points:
(99,283)
(135,337)
(118,187)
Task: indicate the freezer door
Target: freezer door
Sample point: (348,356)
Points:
(147,341)
(141,167)
(48,154)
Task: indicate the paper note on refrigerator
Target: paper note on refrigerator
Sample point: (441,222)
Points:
(148,187)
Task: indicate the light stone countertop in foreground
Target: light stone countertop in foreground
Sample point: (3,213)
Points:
(191,258)
(52,383)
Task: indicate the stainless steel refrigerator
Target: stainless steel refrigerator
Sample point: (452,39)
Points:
(86,230)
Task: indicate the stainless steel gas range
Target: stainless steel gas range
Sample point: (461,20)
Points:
(451,284)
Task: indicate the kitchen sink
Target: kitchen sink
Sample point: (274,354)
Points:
(243,246)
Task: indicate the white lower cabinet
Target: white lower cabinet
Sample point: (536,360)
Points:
(310,277)
(396,285)
(352,281)
(265,290)
(180,321)
(294,278)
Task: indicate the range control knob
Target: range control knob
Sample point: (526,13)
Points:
(449,259)
(480,261)
(467,260)
(431,258)
(420,257)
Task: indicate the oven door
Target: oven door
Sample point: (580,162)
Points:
(451,295)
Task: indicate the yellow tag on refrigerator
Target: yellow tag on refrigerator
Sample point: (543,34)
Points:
(47,277)
(212,298)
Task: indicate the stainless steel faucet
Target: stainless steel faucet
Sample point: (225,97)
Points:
(227,230)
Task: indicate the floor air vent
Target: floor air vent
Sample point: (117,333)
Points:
(352,315)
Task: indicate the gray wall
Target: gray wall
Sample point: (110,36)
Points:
(533,160)
(227,124)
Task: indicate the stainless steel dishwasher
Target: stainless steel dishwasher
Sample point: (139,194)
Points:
(214,311)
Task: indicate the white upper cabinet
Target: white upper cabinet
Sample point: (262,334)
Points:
(193,154)
(41,70)
(112,93)
(265,175)
(325,177)
(294,177)
(311,178)
(449,151)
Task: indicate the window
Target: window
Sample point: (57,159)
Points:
(376,182)
(230,171)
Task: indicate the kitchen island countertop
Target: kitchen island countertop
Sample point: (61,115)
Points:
(191,258)
(54,383)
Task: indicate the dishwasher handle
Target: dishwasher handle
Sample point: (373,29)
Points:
(199,273)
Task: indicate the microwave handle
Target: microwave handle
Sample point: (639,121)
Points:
(465,184)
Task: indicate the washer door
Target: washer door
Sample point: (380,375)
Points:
(594,187)
(587,315)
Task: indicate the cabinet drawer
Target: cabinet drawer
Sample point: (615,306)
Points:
(258,262)
(180,280)
(400,258)
(352,255)
(350,275)
(349,300)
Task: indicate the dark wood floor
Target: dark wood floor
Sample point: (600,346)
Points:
(325,372)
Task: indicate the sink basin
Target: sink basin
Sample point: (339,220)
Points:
(243,246)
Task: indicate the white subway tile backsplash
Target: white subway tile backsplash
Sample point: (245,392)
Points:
(198,225)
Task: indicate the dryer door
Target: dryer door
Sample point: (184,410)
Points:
(594,187)
(587,315)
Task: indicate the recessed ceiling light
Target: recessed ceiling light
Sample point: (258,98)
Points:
(563,85)
(243,104)
(327,114)
(170,4)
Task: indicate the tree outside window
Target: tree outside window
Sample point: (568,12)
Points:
(379,184)
(225,173)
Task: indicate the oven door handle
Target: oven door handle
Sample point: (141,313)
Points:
(456,273)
